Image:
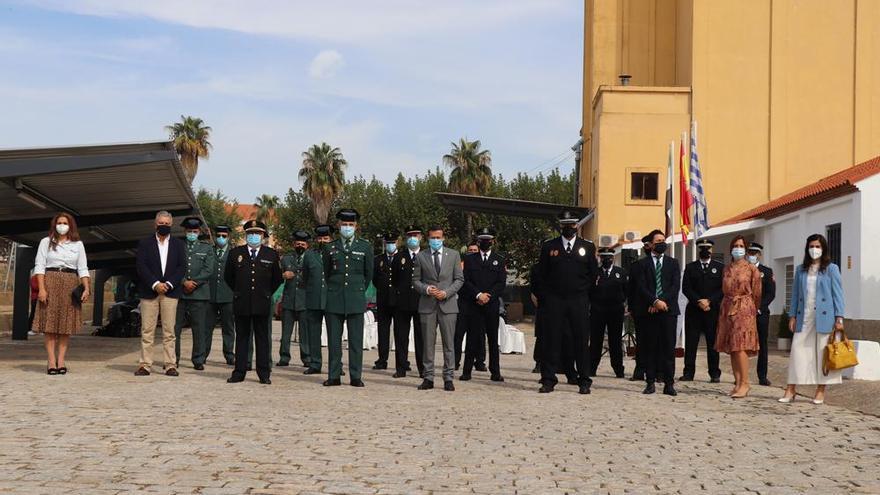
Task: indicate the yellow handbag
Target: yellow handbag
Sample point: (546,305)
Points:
(839,354)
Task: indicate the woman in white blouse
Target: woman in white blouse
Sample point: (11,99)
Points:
(61,267)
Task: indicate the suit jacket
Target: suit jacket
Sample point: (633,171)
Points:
(385,294)
(405,296)
(479,276)
(645,289)
(450,279)
(829,298)
(252,281)
(568,274)
(149,267)
(348,275)
(768,289)
(703,284)
(221,293)
(609,292)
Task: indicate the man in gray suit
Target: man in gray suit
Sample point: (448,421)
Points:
(437,276)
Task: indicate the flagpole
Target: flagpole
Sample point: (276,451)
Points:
(672,194)
(694,212)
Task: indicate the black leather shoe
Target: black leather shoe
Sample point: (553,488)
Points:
(593,375)
(668,389)
(311,371)
(265,381)
(457,367)
(584,389)
(199,367)
(282,364)
(481,367)
(357,383)
(426,385)
(448,386)
(332,383)
(465,377)
(685,378)
(765,382)
(380,366)
(545,389)
(407,367)
(649,389)
(572,381)
(717,379)
(230,362)
(619,374)
(235,379)
(636,378)
(171,372)
(537,368)
(399,374)
(497,378)
(341,373)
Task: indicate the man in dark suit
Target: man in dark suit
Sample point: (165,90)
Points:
(406,309)
(639,371)
(568,271)
(253,271)
(463,322)
(768,294)
(607,301)
(702,287)
(485,277)
(383,264)
(161,266)
(657,284)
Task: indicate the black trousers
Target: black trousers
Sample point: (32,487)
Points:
(567,333)
(258,325)
(483,326)
(657,346)
(763,335)
(402,321)
(462,328)
(539,328)
(610,319)
(638,324)
(384,318)
(698,322)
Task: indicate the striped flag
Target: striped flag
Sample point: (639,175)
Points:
(684,195)
(701,211)
(669,206)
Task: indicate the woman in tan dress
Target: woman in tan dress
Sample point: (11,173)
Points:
(60,267)
(737,324)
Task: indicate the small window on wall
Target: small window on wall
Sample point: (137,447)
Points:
(832,234)
(644,186)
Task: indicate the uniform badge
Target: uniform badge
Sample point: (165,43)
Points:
(381,264)
(240,257)
(402,261)
(617,275)
(582,252)
(714,270)
(554,252)
(495,263)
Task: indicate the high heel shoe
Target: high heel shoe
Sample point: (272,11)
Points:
(52,371)
(742,395)
(786,400)
(62,370)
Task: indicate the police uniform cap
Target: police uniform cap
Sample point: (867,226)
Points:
(567,217)
(413,229)
(348,215)
(301,235)
(486,233)
(254,226)
(323,229)
(221,229)
(191,223)
(754,246)
(606,251)
(705,243)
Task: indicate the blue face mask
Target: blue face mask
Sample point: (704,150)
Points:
(412,242)
(752,259)
(390,248)
(435,244)
(221,241)
(738,253)
(254,240)
(346,231)
(192,237)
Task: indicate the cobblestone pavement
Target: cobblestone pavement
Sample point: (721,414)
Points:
(101,430)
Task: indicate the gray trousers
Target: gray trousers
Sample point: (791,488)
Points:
(446,321)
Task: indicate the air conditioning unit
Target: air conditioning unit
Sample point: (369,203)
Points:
(607,240)
(632,236)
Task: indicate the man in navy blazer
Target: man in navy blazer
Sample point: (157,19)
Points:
(161,266)
(656,284)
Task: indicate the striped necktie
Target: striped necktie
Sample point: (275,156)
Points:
(658,268)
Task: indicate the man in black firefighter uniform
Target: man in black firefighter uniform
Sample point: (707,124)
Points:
(607,301)
(386,297)
(768,294)
(702,287)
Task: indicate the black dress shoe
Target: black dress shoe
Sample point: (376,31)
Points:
(171,372)
(235,379)
(341,373)
(426,385)
(572,381)
(357,383)
(422,375)
(765,382)
(717,379)
(265,381)
(619,374)
(230,362)
(407,367)
(545,389)
(332,383)
(199,367)
(584,389)
(448,386)
(465,377)
(649,389)
(481,367)
(593,374)
(399,374)
(497,378)
(311,371)
(537,368)
(685,378)
(457,367)
(636,378)
(282,364)
(380,366)
(668,389)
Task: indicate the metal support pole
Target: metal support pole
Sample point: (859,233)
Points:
(21,299)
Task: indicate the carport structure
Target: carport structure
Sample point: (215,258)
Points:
(113,191)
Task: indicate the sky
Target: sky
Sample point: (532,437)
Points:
(389,82)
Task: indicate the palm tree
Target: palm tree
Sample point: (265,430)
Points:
(471,172)
(190,137)
(266,204)
(323,176)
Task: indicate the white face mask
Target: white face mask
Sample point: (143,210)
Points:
(752,259)
(62,228)
(738,253)
(815,252)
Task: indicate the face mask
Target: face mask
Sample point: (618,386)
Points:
(221,241)
(738,253)
(390,248)
(705,253)
(299,249)
(346,231)
(412,242)
(254,240)
(485,245)
(752,259)
(62,228)
(660,248)
(163,230)
(192,237)
(435,244)
(568,231)
(607,262)
(815,253)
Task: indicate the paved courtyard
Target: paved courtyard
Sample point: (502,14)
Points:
(101,430)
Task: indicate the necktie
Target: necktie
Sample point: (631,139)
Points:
(568,247)
(253,253)
(347,245)
(437,261)
(705,266)
(485,257)
(658,268)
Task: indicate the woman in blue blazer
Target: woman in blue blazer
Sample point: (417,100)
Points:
(817,308)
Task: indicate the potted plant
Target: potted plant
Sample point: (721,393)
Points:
(783,334)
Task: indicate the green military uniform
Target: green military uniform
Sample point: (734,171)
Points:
(315,301)
(221,308)
(201,266)
(293,303)
(348,268)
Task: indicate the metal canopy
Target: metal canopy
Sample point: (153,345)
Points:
(114,191)
(508,207)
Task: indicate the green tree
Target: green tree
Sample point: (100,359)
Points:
(266,204)
(190,137)
(293,213)
(217,209)
(323,176)
(471,171)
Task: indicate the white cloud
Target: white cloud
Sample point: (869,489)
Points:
(326,64)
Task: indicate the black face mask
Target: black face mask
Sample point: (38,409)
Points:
(660,248)
(568,231)
(485,245)
(607,262)
(705,253)
(299,249)
(163,230)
